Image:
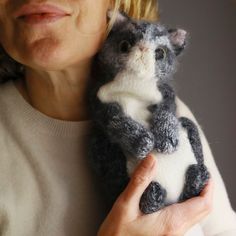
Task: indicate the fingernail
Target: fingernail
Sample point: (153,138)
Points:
(149,161)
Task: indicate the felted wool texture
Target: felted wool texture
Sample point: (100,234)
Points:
(134,109)
(125,113)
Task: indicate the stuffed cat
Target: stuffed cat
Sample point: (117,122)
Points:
(132,105)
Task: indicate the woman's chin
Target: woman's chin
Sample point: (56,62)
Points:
(56,60)
(53,54)
(46,53)
(47,65)
(47,60)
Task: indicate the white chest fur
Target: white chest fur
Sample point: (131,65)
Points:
(133,93)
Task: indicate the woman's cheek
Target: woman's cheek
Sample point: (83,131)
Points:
(78,37)
(92,17)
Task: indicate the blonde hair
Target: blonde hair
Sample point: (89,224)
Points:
(137,9)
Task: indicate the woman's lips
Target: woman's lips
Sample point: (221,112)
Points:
(39,14)
(41,18)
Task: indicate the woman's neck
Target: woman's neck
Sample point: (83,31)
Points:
(58,94)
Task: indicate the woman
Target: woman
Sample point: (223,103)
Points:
(46,187)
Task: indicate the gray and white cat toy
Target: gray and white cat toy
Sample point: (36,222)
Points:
(132,104)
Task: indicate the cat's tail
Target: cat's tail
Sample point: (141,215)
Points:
(194,138)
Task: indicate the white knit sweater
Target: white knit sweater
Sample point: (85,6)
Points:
(46,185)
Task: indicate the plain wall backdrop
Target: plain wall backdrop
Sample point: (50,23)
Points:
(206,77)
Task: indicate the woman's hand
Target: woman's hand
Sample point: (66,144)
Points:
(125,218)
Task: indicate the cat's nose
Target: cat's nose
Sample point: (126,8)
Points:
(143,48)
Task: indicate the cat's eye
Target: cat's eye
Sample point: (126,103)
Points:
(124,46)
(160,53)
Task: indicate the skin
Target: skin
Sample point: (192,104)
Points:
(57,59)
(125,218)
(57,56)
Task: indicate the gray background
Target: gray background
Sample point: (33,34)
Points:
(206,78)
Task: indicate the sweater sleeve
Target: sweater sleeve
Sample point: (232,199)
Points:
(222,219)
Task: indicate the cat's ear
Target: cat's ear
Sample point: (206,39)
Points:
(120,16)
(178,39)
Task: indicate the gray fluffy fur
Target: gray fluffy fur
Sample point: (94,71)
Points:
(116,134)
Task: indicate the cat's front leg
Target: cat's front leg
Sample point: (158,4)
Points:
(132,136)
(165,127)
(164,123)
(196,178)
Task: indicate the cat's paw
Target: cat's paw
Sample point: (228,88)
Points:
(167,144)
(166,132)
(131,136)
(195,180)
(153,198)
(142,145)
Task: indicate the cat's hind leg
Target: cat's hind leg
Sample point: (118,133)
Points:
(197,174)
(195,180)
(153,198)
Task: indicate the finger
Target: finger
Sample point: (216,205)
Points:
(193,210)
(140,179)
(209,188)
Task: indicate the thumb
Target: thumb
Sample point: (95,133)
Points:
(140,180)
(190,212)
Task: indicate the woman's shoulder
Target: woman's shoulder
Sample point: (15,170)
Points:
(184,110)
